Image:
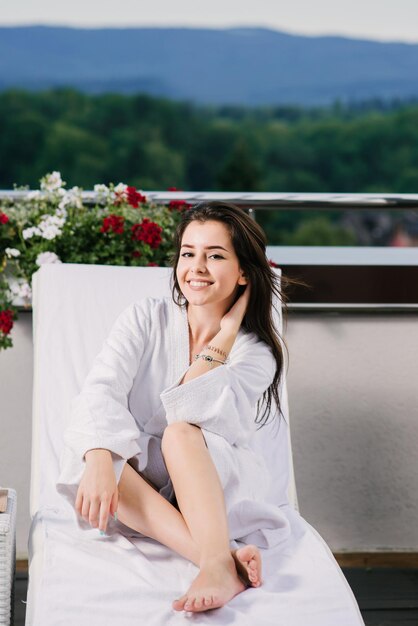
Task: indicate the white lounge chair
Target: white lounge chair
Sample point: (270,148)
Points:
(132,580)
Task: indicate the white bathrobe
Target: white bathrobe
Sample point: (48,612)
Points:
(129,396)
(132,392)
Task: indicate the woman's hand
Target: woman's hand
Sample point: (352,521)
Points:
(97,493)
(233,318)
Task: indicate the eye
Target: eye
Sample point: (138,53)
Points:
(212,255)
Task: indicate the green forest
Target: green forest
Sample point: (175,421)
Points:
(154,144)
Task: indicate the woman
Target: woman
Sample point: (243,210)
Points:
(162,428)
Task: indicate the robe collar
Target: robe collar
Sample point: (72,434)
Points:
(179,335)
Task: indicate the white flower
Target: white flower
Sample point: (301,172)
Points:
(61,212)
(21,289)
(52,182)
(50,231)
(121,188)
(34,195)
(101,190)
(50,226)
(12,252)
(72,197)
(47,257)
(30,232)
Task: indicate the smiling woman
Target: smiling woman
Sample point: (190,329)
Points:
(208,278)
(215,279)
(168,439)
(219,262)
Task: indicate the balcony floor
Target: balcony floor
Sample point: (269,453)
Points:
(386,596)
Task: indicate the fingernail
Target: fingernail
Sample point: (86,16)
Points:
(116,515)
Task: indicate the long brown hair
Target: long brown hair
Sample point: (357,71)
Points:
(249,242)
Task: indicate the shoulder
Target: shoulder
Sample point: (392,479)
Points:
(140,314)
(249,347)
(150,304)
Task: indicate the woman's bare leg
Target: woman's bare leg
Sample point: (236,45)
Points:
(201,501)
(143,509)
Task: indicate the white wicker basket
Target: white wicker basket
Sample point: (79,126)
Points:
(7,559)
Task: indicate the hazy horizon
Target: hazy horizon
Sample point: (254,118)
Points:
(373,20)
(205,27)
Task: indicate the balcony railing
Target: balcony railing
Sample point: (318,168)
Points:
(270,200)
(341,278)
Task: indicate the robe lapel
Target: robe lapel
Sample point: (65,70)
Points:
(179,337)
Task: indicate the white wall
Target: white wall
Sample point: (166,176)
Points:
(16,371)
(353,401)
(353,407)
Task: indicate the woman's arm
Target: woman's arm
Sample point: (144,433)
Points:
(224,399)
(102,433)
(223,340)
(100,416)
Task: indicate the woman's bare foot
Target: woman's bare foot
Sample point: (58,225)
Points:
(216,584)
(248,563)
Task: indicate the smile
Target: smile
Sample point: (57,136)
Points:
(198,284)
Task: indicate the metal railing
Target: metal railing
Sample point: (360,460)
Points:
(389,275)
(269,200)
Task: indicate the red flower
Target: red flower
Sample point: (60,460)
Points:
(114,223)
(148,232)
(179,205)
(134,197)
(272,263)
(3,218)
(136,253)
(6,319)
(152,264)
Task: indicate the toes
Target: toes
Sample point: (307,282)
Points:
(247,557)
(178,604)
(189,604)
(198,603)
(207,601)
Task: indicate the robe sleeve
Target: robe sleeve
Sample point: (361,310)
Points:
(99,415)
(223,400)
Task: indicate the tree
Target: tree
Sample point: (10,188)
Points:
(239,172)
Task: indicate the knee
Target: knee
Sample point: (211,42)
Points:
(178,430)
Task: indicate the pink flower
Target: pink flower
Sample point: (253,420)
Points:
(3,218)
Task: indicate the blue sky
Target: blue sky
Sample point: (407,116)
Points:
(385,20)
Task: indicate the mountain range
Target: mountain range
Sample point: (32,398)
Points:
(234,66)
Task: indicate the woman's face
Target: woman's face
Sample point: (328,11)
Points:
(208,269)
